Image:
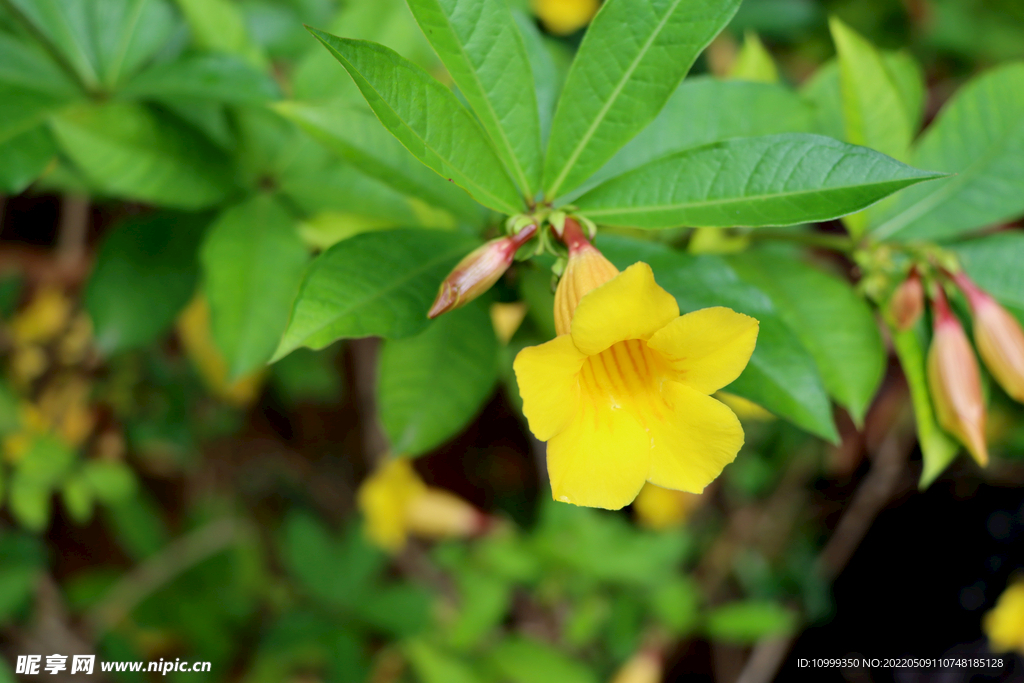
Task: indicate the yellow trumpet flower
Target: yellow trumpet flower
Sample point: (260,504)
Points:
(1004,624)
(624,396)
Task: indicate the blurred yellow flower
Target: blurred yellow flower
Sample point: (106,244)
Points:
(506,319)
(1004,624)
(624,397)
(744,408)
(643,667)
(396,503)
(43,318)
(563,17)
(194,332)
(659,508)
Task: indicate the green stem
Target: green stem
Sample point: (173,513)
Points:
(811,239)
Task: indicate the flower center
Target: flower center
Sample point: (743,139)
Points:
(628,374)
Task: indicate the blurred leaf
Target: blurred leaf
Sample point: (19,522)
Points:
(145,273)
(994,262)
(786,19)
(428,119)
(132,152)
(676,604)
(342,188)
(217,77)
(979,136)
(754,63)
(209,118)
(127,33)
(347,293)
(704,110)
(252,261)
(339,573)
(633,57)
(519,660)
(78,499)
(747,622)
(432,385)
(29,502)
(305,375)
(113,482)
(771,180)
(22,110)
(401,610)
(220,26)
(10,419)
(46,462)
(835,324)
(23,562)
(25,63)
(435,666)
(272,149)
(782,376)
(822,90)
(483,601)
(138,527)
(547,77)
(25,157)
(477,40)
(65,25)
(355,134)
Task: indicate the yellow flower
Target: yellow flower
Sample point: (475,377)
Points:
(396,503)
(643,667)
(624,397)
(659,508)
(1004,624)
(563,17)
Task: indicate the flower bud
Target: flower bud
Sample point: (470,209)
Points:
(1004,624)
(439,514)
(562,17)
(660,508)
(907,302)
(478,271)
(586,269)
(643,667)
(955,381)
(999,337)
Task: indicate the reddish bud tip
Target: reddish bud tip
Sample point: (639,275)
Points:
(587,269)
(907,303)
(999,338)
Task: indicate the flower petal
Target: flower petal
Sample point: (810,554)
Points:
(707,348)
(629,306)
(548,383)
(698,439)
(601,460)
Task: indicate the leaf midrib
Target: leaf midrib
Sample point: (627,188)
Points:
(571,161)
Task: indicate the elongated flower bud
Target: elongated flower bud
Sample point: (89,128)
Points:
(586,269)
(478,271)
(439,514)
(907,303)
(999,337)
(955,381)
(643,667)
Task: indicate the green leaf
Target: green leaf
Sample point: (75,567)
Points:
(129,151)
(66,28)
(979,136)
(127,33)
(749,621)
(346,293)
(24,560)
(937,448)
(400,610)
(436,666)
(782,376)
(432,385)
(477,40)
(704,110)
(754,63)
(113,482)
(355,134)
(78,499)
(428,119)
(145,273)
(252,262)
(994,262)
(219,77)
(771,180)
(548,78)
(519,660)
(25,63)
(835,324)
(632,58)
(22,109)
(822,91)
(677,604)
(46,462)
(340,574)
(219,25)
(25,157)
(483,602)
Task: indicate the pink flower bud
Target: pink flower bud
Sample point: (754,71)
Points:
(586,269)
(907,302)
(999,337)
(955,381)
(478,271)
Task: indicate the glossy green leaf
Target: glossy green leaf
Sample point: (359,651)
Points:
(477,40)
(132,152)
(252,262)
(145,273)
(835,324)
(25,156)
(346,293)
(937,448)
(979,136)
(771,180)
(632,58)
(994,262)
(704,110)
(219,77)
(427,118)
(520,660)
(432,385)
(782,376)
(355,134)
(748,622)
(547,76)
